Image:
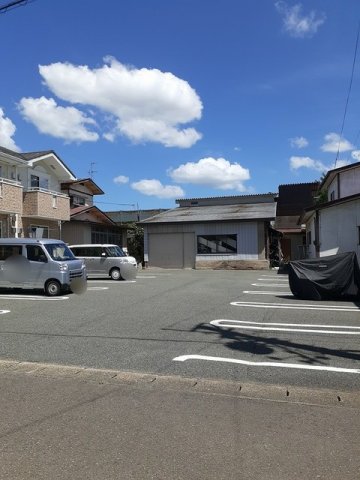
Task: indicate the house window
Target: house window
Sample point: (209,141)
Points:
(78,201)
(216,244)
(38,231)
(34,181)
(37,182)
(54,201)
(332,196)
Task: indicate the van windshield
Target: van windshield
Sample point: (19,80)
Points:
(59,251)
(114,251)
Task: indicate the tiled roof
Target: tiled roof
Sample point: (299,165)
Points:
(28,156)
(32,155)
(86,208)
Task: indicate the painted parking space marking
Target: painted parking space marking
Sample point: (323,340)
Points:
(271,276)
(297,306)
(259,292)
(111,282)
(284,327)
(268,285)
(145,276)
(32,297)
(184,358)
(98,288)
(4,311)
(261,279)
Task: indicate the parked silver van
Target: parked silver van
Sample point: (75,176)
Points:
(40,263)
(106,259)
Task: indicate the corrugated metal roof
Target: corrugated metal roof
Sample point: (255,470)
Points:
(246,211)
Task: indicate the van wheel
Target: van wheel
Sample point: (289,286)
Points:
(115,274)
(52,288)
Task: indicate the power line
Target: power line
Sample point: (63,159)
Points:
(15,3)
(349,91)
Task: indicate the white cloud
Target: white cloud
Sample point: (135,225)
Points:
(299,142)
(307,162)
(356,155)
(68,123)
(333,144)
(297,24)
(217,173)
(7,131)
(148,104)
(121,179)
(156,189)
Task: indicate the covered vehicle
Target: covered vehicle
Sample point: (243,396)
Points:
(332,277)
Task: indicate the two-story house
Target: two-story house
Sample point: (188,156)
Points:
(31,201)
(89,224)
(333,226)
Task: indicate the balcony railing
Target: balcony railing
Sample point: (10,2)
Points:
(42,203)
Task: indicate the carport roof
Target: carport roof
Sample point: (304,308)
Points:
(215,213)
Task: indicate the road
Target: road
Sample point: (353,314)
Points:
(241,326)
(205,375)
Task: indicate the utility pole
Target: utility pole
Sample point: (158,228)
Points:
(91,170)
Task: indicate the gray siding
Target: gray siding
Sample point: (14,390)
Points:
(76,232)
(250,240)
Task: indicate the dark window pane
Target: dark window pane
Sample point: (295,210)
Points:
(217,244)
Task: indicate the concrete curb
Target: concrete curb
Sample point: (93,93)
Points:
(256,391)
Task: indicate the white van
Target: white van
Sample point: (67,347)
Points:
(40,263)
(106,259)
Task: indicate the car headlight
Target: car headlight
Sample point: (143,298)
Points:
(64,267)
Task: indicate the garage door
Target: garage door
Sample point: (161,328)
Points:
(171,250)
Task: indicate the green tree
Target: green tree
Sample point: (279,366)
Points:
(322,195)
(136,242)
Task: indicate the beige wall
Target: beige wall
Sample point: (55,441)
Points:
(11,198)
(53,226)
(40,204)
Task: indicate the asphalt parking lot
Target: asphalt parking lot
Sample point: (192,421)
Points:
(233,325)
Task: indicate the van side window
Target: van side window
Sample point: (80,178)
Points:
(7,251)
(35,253)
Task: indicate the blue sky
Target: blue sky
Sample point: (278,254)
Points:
(182,98)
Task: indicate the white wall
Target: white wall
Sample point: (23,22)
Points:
(350,182)
(339,228)
(310,228)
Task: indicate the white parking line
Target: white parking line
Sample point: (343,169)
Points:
(31,297)
(261,279)
(272,276)
(98,288)
(184,358)
(259,292)
(111,282)
(145,276)
(268,285)
(296,306)
(4,311)
(271,327)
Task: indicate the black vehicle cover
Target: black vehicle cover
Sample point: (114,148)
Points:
(331,277)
